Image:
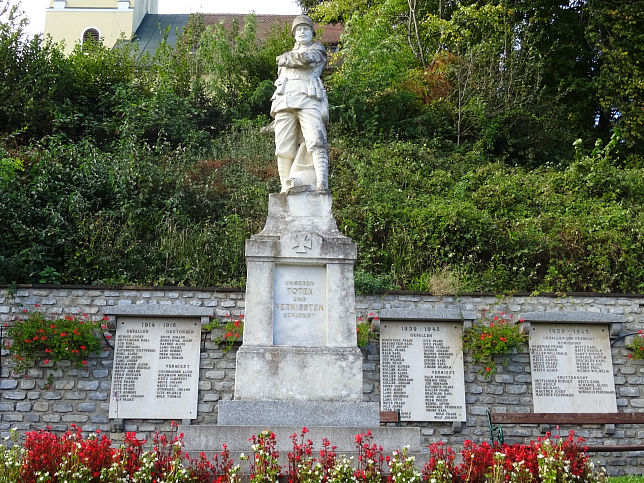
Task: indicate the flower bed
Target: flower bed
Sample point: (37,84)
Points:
(73,457)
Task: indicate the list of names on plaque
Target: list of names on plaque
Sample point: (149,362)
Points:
(299,315)
(421,370)
(571,369)
(156,368)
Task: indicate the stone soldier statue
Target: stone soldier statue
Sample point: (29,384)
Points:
(301,111)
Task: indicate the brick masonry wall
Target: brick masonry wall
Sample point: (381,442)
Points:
(81,396)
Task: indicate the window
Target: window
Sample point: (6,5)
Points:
(92,35)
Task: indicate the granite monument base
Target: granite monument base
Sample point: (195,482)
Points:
(299,413)
(280,373)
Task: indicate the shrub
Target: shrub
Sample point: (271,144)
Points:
(636,346)
(72,457)
(72,338)
(488,338)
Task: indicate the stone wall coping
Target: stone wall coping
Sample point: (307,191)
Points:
(163,288)
(573,317)
(426,314)
(557,295)
(158,310)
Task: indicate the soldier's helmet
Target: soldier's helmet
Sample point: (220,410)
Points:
(302,20)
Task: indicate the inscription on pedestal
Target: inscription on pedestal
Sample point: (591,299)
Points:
(299,314)
(572,369)
(421,370)
(156,368)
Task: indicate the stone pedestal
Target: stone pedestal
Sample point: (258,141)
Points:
(299,344)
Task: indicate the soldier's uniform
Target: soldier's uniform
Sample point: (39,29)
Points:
(301,109)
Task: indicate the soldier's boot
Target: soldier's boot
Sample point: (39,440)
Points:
(284,170)
(321,166)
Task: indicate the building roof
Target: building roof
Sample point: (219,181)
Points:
(153,27)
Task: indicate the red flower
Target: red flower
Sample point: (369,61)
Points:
(84,363)
(488,369)
(502,339)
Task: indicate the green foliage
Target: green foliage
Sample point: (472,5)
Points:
(229,332)
(133,216)
(461,150)
(28,85)
(518,80)
(71,338)
(9,165)
(364,331)
(616,31)
(636,346)
(490,337)
(414,210)
(366,282)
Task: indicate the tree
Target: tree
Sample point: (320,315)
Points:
(616,31)
(28,69)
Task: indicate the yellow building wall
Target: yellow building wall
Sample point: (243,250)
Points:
(91,3)
(68,25)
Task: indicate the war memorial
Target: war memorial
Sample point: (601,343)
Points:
(299,365)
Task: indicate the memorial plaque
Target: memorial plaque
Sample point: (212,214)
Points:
(421,370)
(299,316)
(156,368)
(572,369)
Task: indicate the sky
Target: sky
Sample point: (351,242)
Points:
(35,9)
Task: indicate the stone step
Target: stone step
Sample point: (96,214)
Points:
(209,438)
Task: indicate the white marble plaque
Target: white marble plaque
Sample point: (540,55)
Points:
(572,369)
(156,368)
(299,314)
(421,370)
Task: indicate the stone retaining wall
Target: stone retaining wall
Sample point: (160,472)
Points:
(81,396)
